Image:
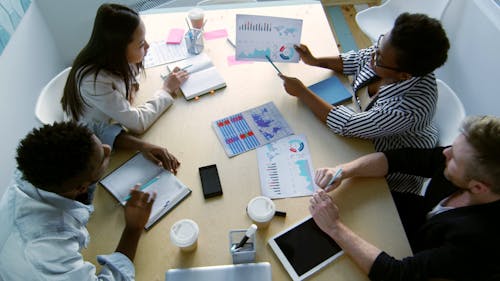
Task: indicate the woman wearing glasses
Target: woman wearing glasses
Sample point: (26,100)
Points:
(397,74)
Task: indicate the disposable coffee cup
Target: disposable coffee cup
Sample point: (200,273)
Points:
(196,16)
(261,210)
(184,234)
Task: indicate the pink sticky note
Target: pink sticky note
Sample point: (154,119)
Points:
(231,60)
(175,36)
(214,34)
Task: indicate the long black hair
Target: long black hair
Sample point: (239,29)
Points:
(113,30)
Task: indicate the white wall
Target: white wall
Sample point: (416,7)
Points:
(71,23)
(29,60)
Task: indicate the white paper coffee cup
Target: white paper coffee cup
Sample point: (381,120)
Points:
(184,234)
(261,210)
(196,16)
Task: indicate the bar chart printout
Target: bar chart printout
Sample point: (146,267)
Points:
(261,36)
(285,168)
(250,129)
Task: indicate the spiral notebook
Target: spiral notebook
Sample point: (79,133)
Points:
(170,191)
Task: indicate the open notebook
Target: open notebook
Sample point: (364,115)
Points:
(170,191)
(203,76)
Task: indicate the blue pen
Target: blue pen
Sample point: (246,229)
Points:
(337,174)
(267,57)
(144,186)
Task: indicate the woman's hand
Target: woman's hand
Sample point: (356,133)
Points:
(305,55)
(292,85)
(174,80)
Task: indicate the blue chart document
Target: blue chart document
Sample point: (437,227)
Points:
(258,36)
(285,168)
(250,129)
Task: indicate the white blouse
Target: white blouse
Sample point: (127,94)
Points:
(105,100)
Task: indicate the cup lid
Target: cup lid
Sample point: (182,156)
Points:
(196,13)
(184,233)
(261,209)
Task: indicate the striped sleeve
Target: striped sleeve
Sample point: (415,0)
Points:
(375,123)
(352,61)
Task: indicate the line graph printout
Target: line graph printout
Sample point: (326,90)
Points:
(258,36)
(285,168)
(250,129)
(161,53)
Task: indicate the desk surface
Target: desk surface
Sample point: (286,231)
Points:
(365,205)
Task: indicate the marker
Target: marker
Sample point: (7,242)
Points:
(250,231)
(337,174)
(144,186)
(267,57)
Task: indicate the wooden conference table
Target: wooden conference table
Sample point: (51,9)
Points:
(365,205)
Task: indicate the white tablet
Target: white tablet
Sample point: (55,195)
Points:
(304,249)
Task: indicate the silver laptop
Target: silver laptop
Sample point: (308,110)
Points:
(232,272)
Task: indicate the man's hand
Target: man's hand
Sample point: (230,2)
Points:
(306,55)
(324,212)
(292,85)
(138,208)
(323,176)
(162,157)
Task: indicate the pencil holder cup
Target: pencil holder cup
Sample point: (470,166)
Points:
(245,254)
(194,41)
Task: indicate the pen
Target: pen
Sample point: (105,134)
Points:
(337,174)
(250,231)
(231,42)
(164,76)
(186,67)
(267,57)
(144,186)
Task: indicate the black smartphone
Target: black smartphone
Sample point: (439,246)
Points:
(210,181)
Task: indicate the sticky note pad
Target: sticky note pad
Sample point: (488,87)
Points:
(175,36)
(214,34)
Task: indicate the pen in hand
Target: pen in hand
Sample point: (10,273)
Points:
(269,59)
(144,186)
(337,174)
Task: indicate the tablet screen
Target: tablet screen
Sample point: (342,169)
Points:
(306,246)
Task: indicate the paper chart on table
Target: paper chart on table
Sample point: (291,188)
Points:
(285,168)
(161,53)
(250,129)
(258,36)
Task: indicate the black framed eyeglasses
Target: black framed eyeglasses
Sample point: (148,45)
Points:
(376,56)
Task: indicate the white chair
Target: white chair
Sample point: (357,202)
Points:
(449,114)
(380,19)
(48,107)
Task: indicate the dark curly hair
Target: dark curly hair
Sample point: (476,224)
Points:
(421,43)
(53,154)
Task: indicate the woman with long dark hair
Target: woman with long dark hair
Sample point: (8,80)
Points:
(102,83)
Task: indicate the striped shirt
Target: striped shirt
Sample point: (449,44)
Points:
(400,117)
